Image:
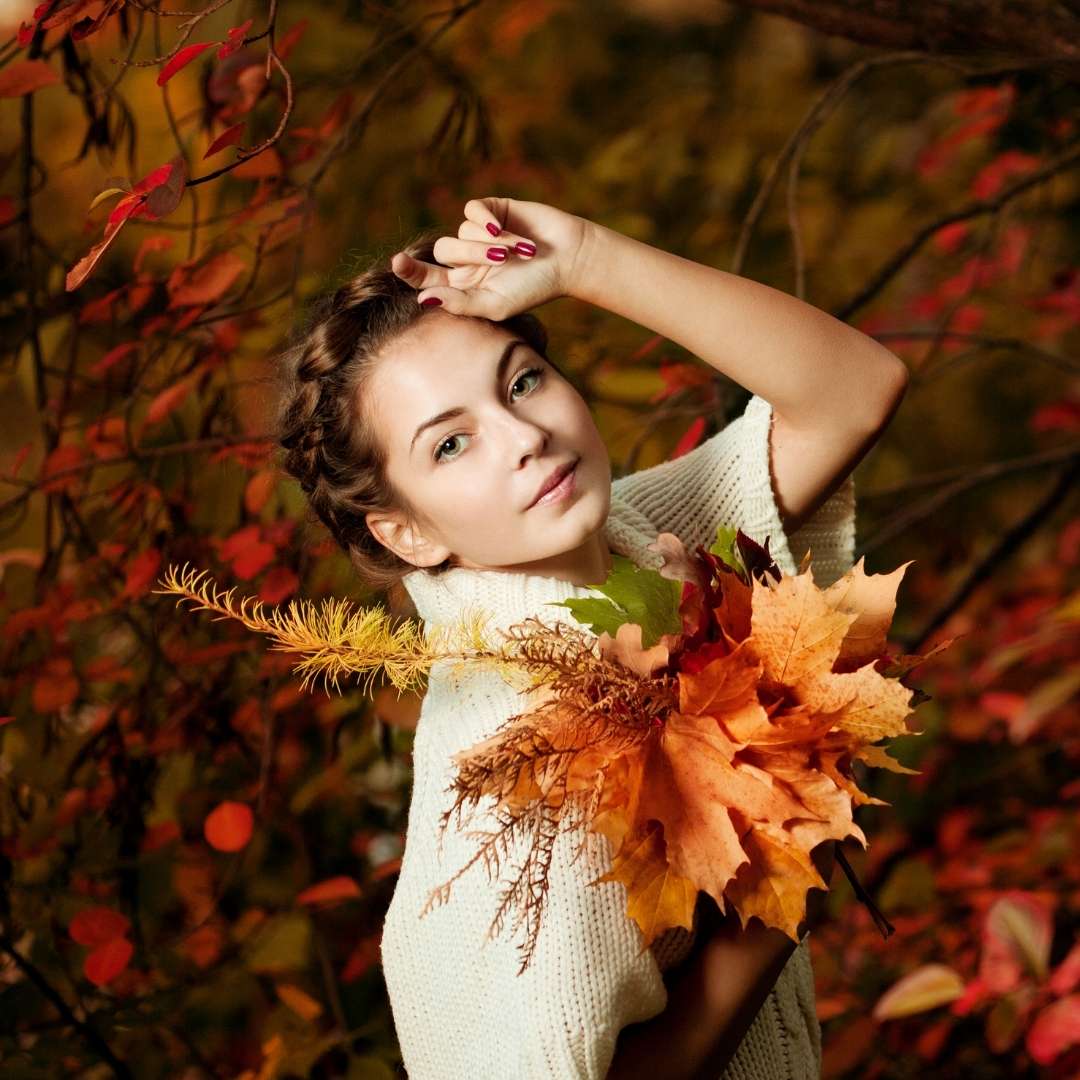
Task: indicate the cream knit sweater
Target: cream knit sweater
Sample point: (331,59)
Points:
(459,1007)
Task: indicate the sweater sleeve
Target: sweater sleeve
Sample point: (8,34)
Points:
(460,1008)
(728,480)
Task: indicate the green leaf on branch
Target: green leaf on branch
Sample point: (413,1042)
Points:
(637,595)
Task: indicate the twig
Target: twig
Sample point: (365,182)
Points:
(999,552)
(86,1030)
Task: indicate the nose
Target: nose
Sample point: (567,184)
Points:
(524,437)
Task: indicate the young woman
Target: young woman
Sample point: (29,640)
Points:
(445,450)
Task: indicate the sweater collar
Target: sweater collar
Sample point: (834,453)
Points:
(508,597)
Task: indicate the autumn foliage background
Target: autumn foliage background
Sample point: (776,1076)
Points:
(195,855)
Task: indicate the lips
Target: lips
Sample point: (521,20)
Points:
(553,481)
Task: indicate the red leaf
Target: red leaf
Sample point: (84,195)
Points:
(151,243)
(1067,974)
(157,836)
(289,39)
(63,457)
(56,687)
(331,891)
(691,437)
(85,27)
(108,960)
(278,585)
(71,806)
(139,293)
(61,13)
(164,197)
(153,179)
(141,571)
(1055,1029)
(168,401)
(253,559)
(226,138)
(207,283)
(97,925)
(102,309)
(259,489)
(262,166)
(234,544)
(181,59)
(228,827)
(113,356)
(83,268)
(236,39)
(386,869)
(361,959)
(336,115)
(676,376)
(26,76)
(124,208)
(189,316)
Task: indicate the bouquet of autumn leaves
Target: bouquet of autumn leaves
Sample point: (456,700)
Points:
(706,724)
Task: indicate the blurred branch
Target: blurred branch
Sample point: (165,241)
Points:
(984,341)
(1048,34)
(1000,551)
(975,208)
(965,478)
(87,1031)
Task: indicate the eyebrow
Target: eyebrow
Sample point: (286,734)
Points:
(449,414)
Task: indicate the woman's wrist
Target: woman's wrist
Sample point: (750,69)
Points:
(579,269)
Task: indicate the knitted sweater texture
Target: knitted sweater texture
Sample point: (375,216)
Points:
(460,1009)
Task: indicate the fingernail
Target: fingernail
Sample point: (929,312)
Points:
(523,247)
(496,254)
(430,301)
(493,229)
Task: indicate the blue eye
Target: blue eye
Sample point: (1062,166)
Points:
(439,455)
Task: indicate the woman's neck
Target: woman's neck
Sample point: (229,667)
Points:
(587,565)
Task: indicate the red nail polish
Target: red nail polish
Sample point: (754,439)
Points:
(430,301)
(496,254)
(493,229)
(523,247)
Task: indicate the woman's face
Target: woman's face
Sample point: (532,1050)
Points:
(472,476)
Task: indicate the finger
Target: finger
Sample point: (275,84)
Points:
(478,302)
(490,213)
(518,245)
(419,275)
(454,252)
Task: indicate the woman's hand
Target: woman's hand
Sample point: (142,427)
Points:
(540,243)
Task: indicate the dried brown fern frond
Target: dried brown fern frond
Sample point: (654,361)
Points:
(532,830)
(545,767)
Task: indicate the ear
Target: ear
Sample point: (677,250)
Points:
(405,539)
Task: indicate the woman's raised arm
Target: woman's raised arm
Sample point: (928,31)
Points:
(832,388)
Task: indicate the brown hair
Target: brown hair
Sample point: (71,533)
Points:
(321,419)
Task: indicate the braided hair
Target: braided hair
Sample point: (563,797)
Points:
(322,427)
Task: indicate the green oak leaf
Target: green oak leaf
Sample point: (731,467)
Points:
(637,595)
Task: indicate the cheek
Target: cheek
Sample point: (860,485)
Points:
(588,433)
(465,499)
